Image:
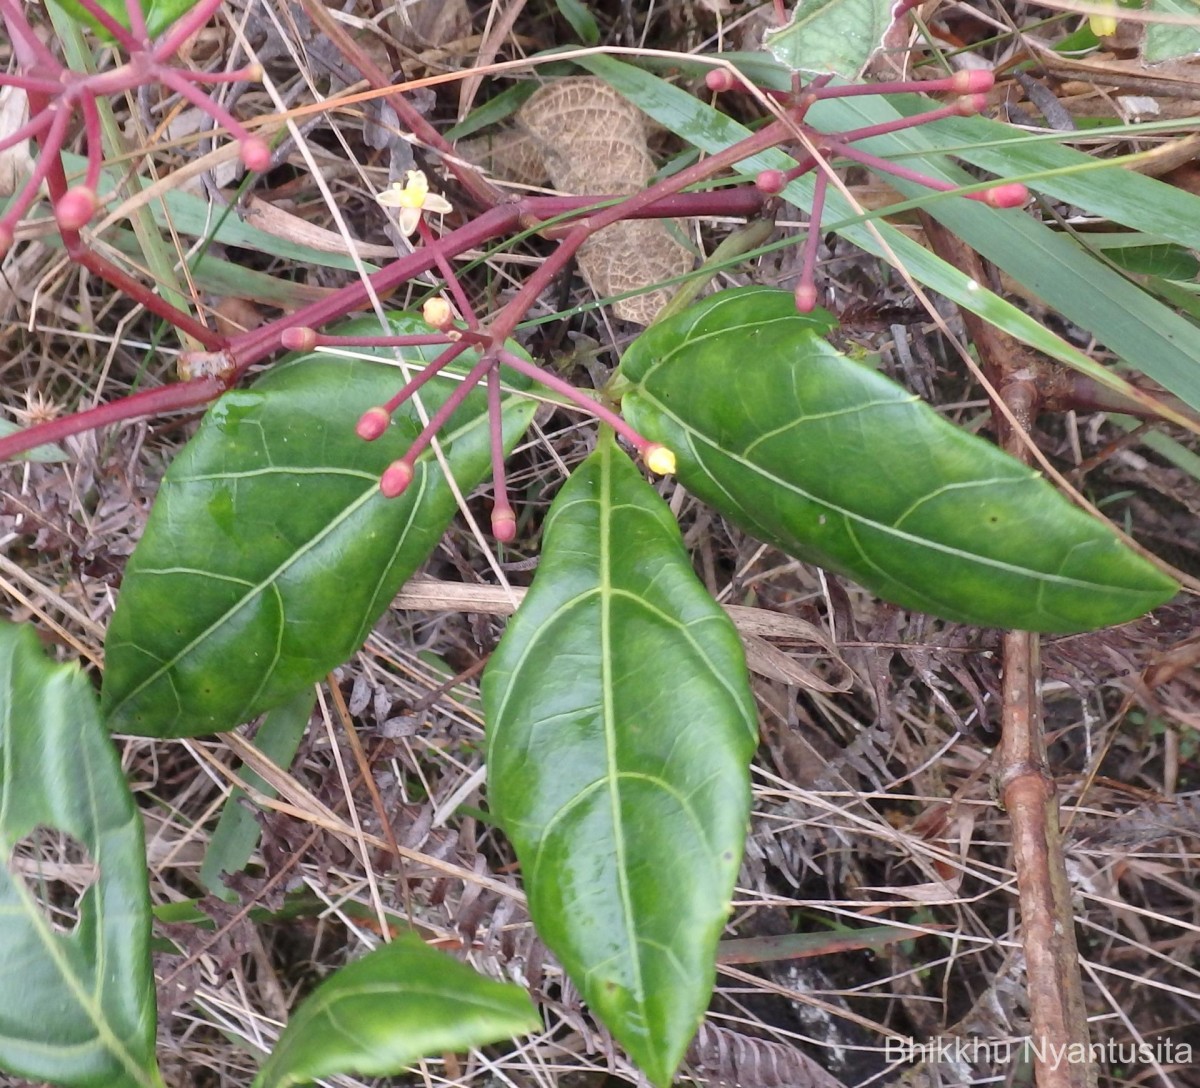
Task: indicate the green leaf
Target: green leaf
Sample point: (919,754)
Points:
(78,1006)
(1168,41)
(836,464)
(271,552)
(237,831)
(582,21)
(159,14)
(383,1012)
(837,36)
(620,729)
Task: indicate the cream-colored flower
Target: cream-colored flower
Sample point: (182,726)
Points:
(412,198)
(1103,26)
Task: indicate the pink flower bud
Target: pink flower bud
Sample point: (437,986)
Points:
(372,423)
(255,153)
(504,525)
(770,182)
(974,81)
(396,477)
(721,79)
(806,298)
(299,338)
(76,208)
(1012,194)
(970,104)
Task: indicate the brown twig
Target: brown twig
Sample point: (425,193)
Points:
(1057,1013)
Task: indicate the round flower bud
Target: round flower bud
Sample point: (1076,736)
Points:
(255,153)
(299,338)
(504,525)
(974,81)
(396,477)
(1010,195)
(372,423)
(970,104)
(437,313)
(770,181)
(76,207)
(720,79)
(659,459)
(806,298)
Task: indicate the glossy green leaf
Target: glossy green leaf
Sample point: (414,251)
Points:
(402,1002)
(271,552)
(78,1006)
(836,464)
(159,14)
(620,729)
(831,36)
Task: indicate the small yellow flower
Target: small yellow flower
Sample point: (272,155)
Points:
(413,197)
(1103,26)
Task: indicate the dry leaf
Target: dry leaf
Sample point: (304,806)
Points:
(16,164)
(586,139)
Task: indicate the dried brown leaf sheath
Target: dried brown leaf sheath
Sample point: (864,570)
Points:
(585,138)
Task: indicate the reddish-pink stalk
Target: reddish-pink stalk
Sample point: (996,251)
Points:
(885,166)
(176,397)
(806,290)
(29,83)
(122,35)
(413,340)
(202,101)
(448,407)
(504,524)
(576,396)
(137,23)
(187,25)
(27,131)
(41,168)
(429,371)
(448,276)
(93,140)
(951,109)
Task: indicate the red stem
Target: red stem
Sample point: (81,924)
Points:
(438,420)
(180,31)
(30,83)
(500,502)
(575,396)
(202,101)
(430,371)
(127,40)
(149,402)
(448,274)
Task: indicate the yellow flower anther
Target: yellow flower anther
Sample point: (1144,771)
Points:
(413,197)
(659,459)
